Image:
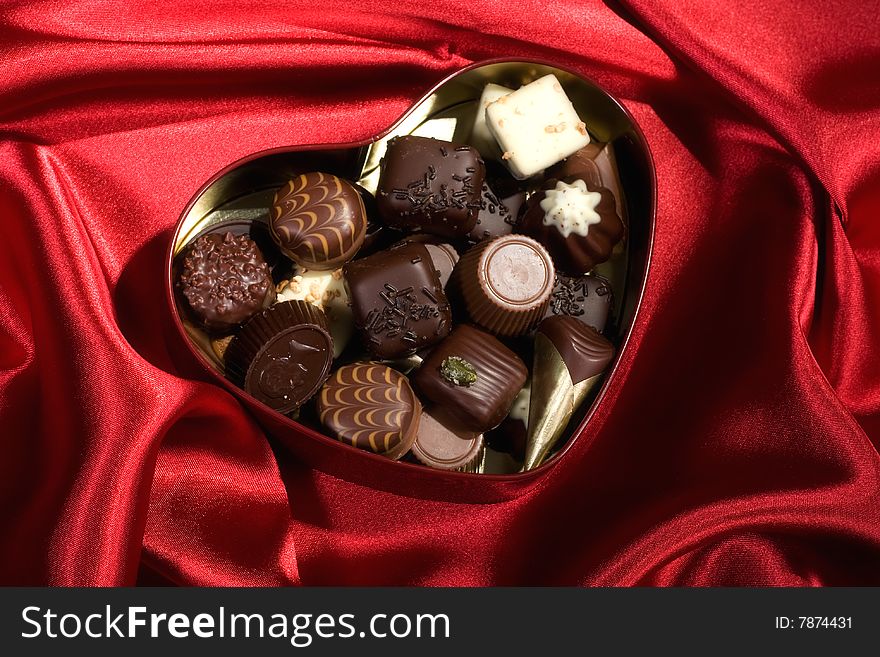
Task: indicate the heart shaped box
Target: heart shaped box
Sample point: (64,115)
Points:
(244,191)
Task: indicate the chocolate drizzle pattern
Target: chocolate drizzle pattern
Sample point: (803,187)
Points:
(319,220)
(370,406)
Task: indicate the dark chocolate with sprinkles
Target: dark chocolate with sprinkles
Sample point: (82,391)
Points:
(497,216)
(397,301)
(587,298)
(431,186)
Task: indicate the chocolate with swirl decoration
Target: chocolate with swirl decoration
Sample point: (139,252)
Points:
(371,406)
(318,220)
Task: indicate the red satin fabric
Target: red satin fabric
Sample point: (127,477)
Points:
(739,444)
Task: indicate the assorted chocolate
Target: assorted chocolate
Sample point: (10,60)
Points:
(225,281)
(587,298)
(318,220)
(282,356)
(397,301)
(430,186)
(473,377)
(578,224)
(453,316)
(506,284)
(371,406)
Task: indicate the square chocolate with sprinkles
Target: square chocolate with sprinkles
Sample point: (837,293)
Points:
(397,301)
(431,186)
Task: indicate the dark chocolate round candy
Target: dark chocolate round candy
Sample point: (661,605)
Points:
(506,283)
(318,220)
(282,356)
(371,406)
(577,222)
(225,280)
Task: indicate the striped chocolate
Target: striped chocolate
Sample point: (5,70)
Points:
(371,406)
(318,220)
(506,284)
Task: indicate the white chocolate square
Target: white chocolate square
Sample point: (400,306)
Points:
(536,126)
(481,138)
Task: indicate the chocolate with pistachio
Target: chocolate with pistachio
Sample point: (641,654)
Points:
(472,377)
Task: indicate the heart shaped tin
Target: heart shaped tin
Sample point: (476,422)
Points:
(243,192)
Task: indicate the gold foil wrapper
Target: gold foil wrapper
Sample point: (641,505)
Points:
(553,400)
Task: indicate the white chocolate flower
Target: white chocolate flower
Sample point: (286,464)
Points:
(571,208)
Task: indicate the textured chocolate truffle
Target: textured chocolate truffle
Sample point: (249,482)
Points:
(576,222)
(506,283)
(397,300)
(318,220)
(371,406)
(441,444)
(430,185)
(587,298)
(281,356)
(478,404)
(584,352)
(225,281)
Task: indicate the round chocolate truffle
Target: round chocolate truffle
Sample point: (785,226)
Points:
(225,281)
(282,356)
(318,220)
(443,445)
(371,406)
(506,283)
(577,222)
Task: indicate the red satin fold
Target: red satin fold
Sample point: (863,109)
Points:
(738,446)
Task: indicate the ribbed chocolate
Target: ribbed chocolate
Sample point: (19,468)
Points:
(371,406)
(443,445)
(506,284)
(481,405)
(282,356)
(318,220)
(584,352)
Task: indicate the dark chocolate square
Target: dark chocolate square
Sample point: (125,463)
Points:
(500,375)
(430,185)
(397,301)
